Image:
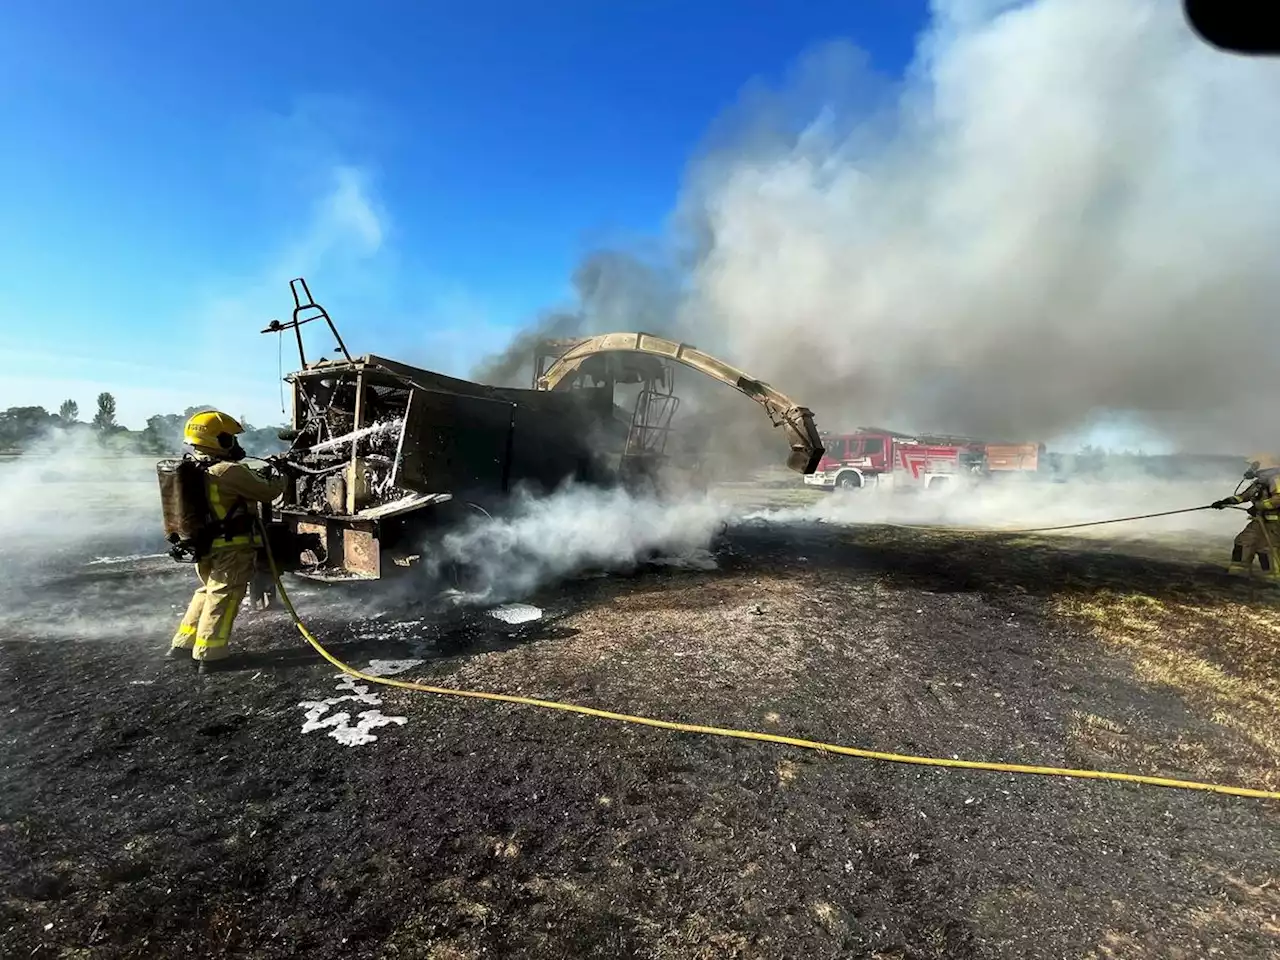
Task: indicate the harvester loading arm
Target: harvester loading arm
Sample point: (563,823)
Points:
(796,421)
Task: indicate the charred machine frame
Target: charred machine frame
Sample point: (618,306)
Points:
(382,454)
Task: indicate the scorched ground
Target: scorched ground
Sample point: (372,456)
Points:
(147,812)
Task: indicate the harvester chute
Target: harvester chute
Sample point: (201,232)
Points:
(795,420)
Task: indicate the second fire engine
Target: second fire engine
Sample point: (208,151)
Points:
(878,457)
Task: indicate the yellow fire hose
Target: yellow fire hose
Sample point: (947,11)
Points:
(1062,526)
(747,734)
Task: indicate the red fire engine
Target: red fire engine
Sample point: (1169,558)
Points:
(874,457)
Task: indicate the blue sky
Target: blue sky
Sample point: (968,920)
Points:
(434,169)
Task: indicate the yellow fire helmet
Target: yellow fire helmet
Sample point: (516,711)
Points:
(212,431)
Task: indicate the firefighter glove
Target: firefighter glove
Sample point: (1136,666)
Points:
(1220,504)
(279,464)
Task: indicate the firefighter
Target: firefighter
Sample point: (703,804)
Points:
(226,570)
(1261,535)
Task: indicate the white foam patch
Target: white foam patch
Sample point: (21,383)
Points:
(384,630)
(516,613)
(339,725)
(388,668)
(132,558)
(347,734)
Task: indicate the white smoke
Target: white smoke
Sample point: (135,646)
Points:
(542,541)
(1069,212)
(66,491)
(577,530)
(68,503)
(1017,504)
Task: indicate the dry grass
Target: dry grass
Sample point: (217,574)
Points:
(1220,657)
(1117,945)
(1240,907)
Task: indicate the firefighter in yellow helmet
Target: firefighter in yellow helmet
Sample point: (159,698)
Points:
(1261,536)
(226,569)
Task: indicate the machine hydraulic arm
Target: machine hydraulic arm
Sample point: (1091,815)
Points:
(795,420)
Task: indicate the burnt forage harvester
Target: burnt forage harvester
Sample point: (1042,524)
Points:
(210,501)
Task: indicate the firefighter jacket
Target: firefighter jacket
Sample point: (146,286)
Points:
(234,491)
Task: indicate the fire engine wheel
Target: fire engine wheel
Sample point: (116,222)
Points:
(848,481)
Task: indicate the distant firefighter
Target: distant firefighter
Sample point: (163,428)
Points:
(210,514)
(1260,537)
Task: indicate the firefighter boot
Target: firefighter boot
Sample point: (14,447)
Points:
(1237,567)
(1270,574)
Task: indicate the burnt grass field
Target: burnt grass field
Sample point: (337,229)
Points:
(148,812)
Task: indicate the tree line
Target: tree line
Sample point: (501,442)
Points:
(25,428)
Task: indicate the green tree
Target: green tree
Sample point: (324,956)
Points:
(20,426)
(163,434)
(68,412)
(105,419)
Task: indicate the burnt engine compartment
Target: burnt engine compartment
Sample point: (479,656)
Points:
(340,468)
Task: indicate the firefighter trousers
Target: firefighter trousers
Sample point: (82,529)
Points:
(224,578)
(1256,540)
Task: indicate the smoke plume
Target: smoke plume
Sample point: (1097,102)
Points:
(616,290)
(578,529)
(67,493)
(1068,210)
(1064,216)
(513,367)
(71,509)
(1016,505)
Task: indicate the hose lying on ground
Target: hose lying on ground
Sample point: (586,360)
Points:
(746,734)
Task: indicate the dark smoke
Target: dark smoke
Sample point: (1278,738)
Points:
(616,291)
(514,366)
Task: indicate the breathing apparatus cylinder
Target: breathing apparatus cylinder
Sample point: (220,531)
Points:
(184,500)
